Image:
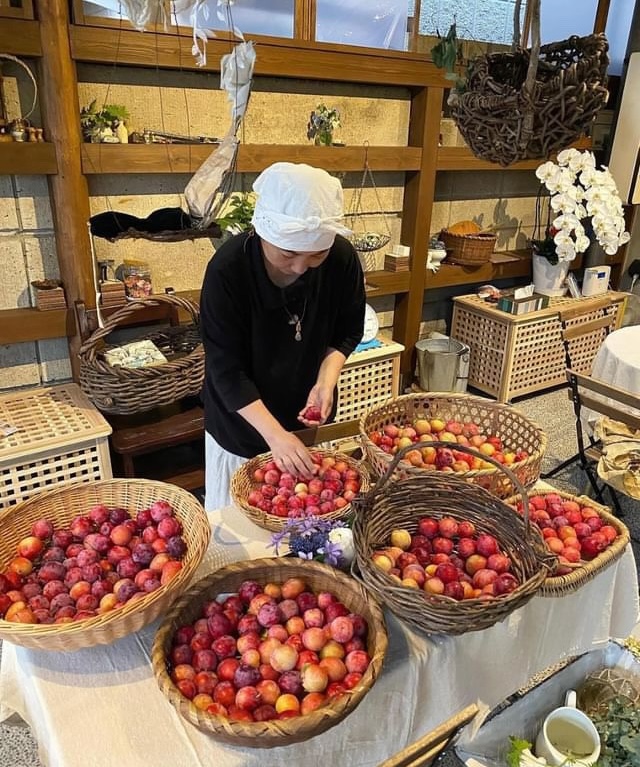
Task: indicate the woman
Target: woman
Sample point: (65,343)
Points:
(282,307)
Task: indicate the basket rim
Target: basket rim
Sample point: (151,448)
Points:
(264,518)
(492,404)
(306,724)
(557,585)
(13,632)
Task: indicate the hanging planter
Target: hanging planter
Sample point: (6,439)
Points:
(363,239)
(526,104)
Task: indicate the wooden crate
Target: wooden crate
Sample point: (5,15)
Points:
(60,438)
(368,378)
(515,355)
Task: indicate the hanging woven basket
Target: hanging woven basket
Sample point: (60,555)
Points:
(527,104)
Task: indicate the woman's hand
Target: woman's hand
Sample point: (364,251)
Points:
(291,455)
(318,407)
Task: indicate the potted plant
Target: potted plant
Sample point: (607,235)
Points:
(322,122)
(96,123)
(582,200)
(236,216)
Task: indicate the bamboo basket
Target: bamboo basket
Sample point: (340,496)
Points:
(583,572)
(390,505)
(468,249)
(242,483)
(60,506)
(268,734)
(123,391)
(513,428)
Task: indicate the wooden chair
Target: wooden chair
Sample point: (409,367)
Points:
(583,329)
(167,428)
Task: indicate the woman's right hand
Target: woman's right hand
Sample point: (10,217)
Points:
(291,455)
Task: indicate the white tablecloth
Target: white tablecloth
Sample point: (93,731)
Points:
(101,706)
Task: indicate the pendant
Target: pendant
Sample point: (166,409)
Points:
(298,335)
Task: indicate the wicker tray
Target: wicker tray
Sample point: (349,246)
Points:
(468,249)
(493,418)
(390,505)
(227,580)
(123,391)
(558,585)
(60,506)
(242,483)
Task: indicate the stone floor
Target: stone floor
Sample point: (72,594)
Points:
(552,410)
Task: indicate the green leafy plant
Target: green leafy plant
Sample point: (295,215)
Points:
(447,55)
(322,123)
(237,214)
(619,729)
(517,748)
(93,120)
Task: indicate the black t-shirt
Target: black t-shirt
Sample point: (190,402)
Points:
(250,347)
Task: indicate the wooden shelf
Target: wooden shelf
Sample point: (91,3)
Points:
(252,158)
(383,283)
(450,275)
(25,159)
(20,37)
(461,158)
(21,325)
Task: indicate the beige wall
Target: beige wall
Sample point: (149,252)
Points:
(191,103)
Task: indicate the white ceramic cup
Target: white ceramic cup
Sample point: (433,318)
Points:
(565,731)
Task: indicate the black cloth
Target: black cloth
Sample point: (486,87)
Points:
(250,347)
(111,224)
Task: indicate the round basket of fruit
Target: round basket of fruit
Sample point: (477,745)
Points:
(583,535)
(445,555)
(88,563)
(270,652)
(496,431)
(269,496)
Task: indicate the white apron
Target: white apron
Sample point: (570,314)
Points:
(220,465)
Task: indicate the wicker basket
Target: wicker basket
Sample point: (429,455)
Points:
(559,585)
(268,734)
(242,483)
(468,249)
(493,418)
(390,505)
(60,506)
(123,391)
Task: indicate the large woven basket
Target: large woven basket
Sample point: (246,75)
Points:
(318,577)
(123,391)
(60,506)
(468,249)
(391,505)
(515,430)
(583,572)
(242,483)
(529,103)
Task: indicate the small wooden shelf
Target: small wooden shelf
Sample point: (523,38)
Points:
(25,159)
(20,37)
(383,283)
(461,158)
(450,275)
(252,158)
(22,325)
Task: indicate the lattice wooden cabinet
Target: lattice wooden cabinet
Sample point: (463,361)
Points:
(515,355)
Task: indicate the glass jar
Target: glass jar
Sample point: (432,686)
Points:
(137,280)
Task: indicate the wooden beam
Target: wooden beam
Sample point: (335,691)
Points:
(426,108)
(27,159)
(602,16)
(252,158)
(20,37)
(68,188)
(21,325)
(283,59)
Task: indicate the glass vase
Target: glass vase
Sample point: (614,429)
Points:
(323,138)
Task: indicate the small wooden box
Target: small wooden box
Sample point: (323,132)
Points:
(59,438)
(513,355)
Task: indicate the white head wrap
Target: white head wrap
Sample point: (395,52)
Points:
(298,208)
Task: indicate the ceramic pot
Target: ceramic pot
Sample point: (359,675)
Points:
(549,279)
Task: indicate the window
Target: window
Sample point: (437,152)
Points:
(377,24)
(481,20)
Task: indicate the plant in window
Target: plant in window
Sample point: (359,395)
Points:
(94,121)
(322,122)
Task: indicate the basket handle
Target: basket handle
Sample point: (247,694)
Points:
(88,348)
(530,81)
(385,478)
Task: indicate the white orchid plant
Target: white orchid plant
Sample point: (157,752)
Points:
(579,192)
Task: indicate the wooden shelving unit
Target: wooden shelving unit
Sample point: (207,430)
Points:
(20,37)
(461,158)
(25,159)
(26,324)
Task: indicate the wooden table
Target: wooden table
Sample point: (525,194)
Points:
(516,355)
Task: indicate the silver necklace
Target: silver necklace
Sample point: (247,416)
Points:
(296,320)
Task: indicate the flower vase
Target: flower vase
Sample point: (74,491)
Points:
(323,138)
(549,279)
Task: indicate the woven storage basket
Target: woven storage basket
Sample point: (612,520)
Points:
(558,585)
(318,577)
(390,505)
(123,391)
(468,249)
(242,483)
(491,417)
(60,506)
